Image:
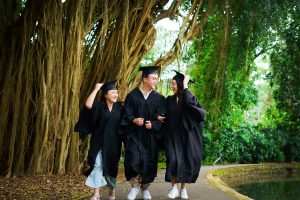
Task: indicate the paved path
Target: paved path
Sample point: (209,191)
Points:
(201,190)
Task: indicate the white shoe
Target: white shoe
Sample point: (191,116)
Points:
(173,193)
(132,194)
(95,197)
(146,194)
(183,194)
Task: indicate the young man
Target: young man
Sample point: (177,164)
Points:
(142,106)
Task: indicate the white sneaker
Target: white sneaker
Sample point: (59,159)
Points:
(132,194)
(183,194)
(95,197)
(173,193)
(146,194)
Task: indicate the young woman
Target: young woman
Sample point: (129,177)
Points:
(182,136)
(102,119)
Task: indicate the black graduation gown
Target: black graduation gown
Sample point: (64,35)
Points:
(141,149)
(183,138)
(103,125)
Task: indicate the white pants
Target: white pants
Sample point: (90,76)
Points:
(96,178)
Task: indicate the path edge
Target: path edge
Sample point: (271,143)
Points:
(213,176)
(216,181)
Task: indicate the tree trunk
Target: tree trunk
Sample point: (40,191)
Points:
(51,56)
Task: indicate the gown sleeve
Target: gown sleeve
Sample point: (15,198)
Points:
(192,107)
(156,124)
(123,126)
(127,114)
(88,120)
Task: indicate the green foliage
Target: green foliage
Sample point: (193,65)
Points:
(221,63)
(245,144)
(224,92)
(255,28)
(285,63)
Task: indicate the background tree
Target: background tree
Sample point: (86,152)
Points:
(285,65)
(51,55)
(235,35)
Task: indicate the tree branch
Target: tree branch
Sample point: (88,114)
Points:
(264,51)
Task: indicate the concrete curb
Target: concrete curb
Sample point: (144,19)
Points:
(218,183)
(214,178)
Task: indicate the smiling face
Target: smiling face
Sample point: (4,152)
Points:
(151,81)
(112,96)
(174,86)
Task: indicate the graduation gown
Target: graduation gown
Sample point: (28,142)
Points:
(141,149)
(103,125)
(183,138)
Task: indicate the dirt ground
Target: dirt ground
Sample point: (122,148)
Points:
(46,187)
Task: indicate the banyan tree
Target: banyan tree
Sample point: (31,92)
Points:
(53,52)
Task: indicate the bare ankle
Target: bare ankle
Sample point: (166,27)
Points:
(112,192)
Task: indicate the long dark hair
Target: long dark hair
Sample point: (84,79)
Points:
(179,93)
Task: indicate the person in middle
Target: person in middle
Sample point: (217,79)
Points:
(142,107)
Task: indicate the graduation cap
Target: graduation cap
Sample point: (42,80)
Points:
(180,77)
(108,86)
(148,70)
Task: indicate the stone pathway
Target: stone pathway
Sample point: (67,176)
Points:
(201,190)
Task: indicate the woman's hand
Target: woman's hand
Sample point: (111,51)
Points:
(186,81)
(90,100)
(98,86)
(160,118)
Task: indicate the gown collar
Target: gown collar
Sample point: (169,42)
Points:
(145,94)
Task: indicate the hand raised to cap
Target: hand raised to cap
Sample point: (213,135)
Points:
(186,81)
(98,86)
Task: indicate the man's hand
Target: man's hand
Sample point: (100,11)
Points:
(148,125)
(139,121)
